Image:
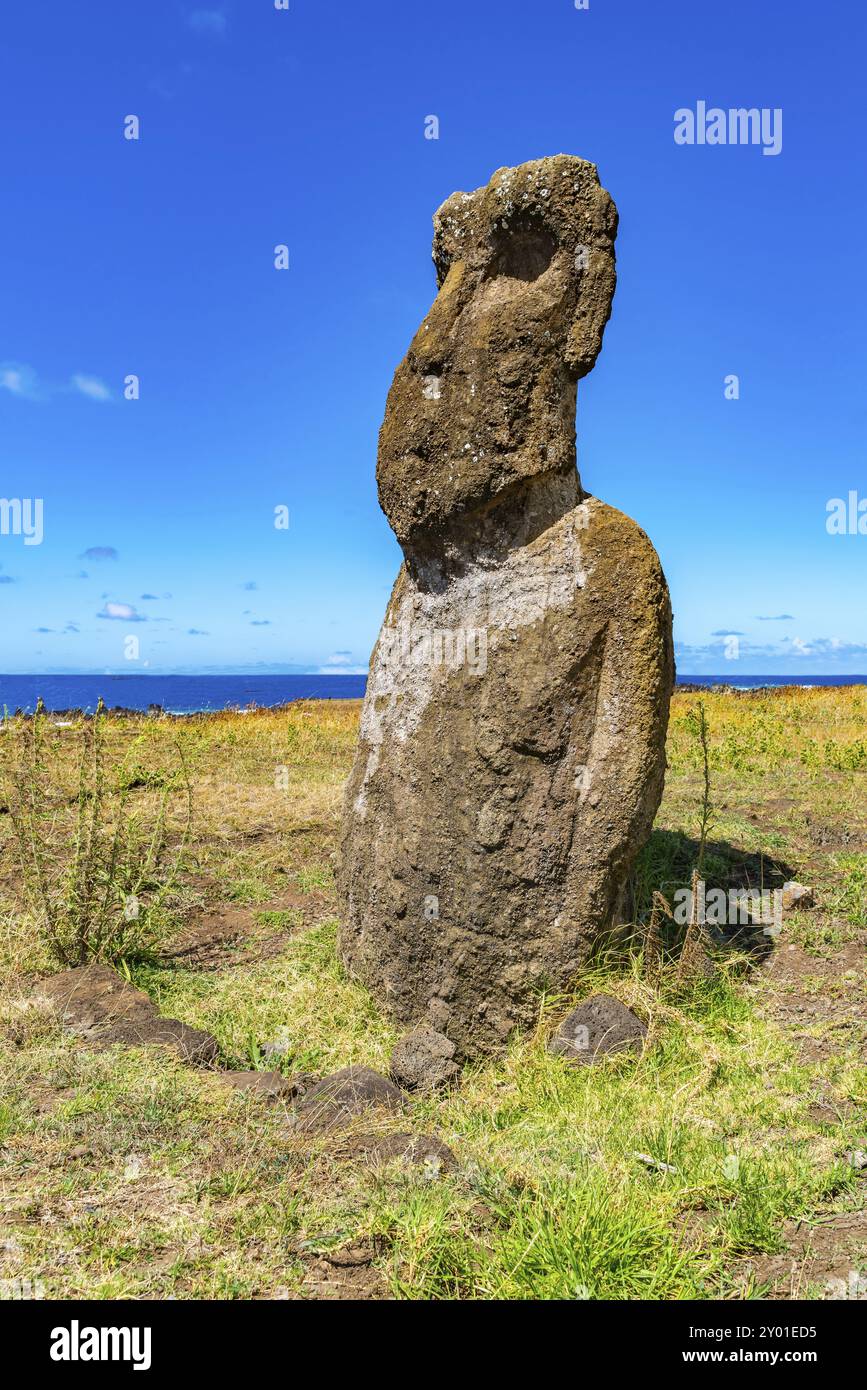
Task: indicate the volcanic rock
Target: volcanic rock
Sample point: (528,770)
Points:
(339,1098)
(424,1060)
(512,744)
(598,1026)
(103,1009)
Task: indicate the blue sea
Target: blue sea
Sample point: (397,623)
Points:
(192,694)
(175,694)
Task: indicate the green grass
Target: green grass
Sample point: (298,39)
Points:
(125,1174)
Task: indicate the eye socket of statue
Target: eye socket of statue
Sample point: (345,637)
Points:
(521,251)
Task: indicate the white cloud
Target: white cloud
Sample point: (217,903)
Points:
(19,380)
(339,664)
(91,386)
(121,612)
(767,657)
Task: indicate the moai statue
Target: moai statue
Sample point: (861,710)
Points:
(512,745)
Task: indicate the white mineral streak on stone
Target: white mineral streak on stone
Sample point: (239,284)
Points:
(498,598)
(431,388)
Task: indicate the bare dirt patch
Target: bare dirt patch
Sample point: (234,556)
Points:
(819,999)
(348,1273)
(827,1257)
(219,936)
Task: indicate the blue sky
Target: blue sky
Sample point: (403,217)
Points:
(262,388)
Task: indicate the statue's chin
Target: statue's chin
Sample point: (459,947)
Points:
(489,528)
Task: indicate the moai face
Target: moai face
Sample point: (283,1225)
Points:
(484,400)
(495,807)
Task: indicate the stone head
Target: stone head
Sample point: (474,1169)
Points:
(484,401)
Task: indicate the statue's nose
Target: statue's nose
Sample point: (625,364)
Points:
(432,344)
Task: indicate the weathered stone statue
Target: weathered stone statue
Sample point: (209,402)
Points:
(512,744)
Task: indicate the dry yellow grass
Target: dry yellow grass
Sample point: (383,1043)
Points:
(123,1173)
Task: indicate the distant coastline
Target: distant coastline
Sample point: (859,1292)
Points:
(186,694)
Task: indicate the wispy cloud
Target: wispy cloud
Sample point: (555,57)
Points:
(774,618)
(19,380)
(340,664)
(91,386)
(196,632)
(98,552)
(728,632)
(260,622)
(833,650)
(121,613)
(208,21)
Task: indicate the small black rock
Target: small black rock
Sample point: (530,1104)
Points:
(333,1103)
(598,1026)
(424,1060)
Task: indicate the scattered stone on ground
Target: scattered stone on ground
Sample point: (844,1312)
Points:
(598,1026)
(420,1150)
(337,1099)
(103,1010)
(655,1163)
(511,753)
(269,1085)
(797,895)
(424,1060)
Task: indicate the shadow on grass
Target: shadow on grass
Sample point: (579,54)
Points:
(666,863)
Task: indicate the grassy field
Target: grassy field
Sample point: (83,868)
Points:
(124,1173)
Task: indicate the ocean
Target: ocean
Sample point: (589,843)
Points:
(175,694)
(192,694)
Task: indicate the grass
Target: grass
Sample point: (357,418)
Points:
(94,892)
(125,1174)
